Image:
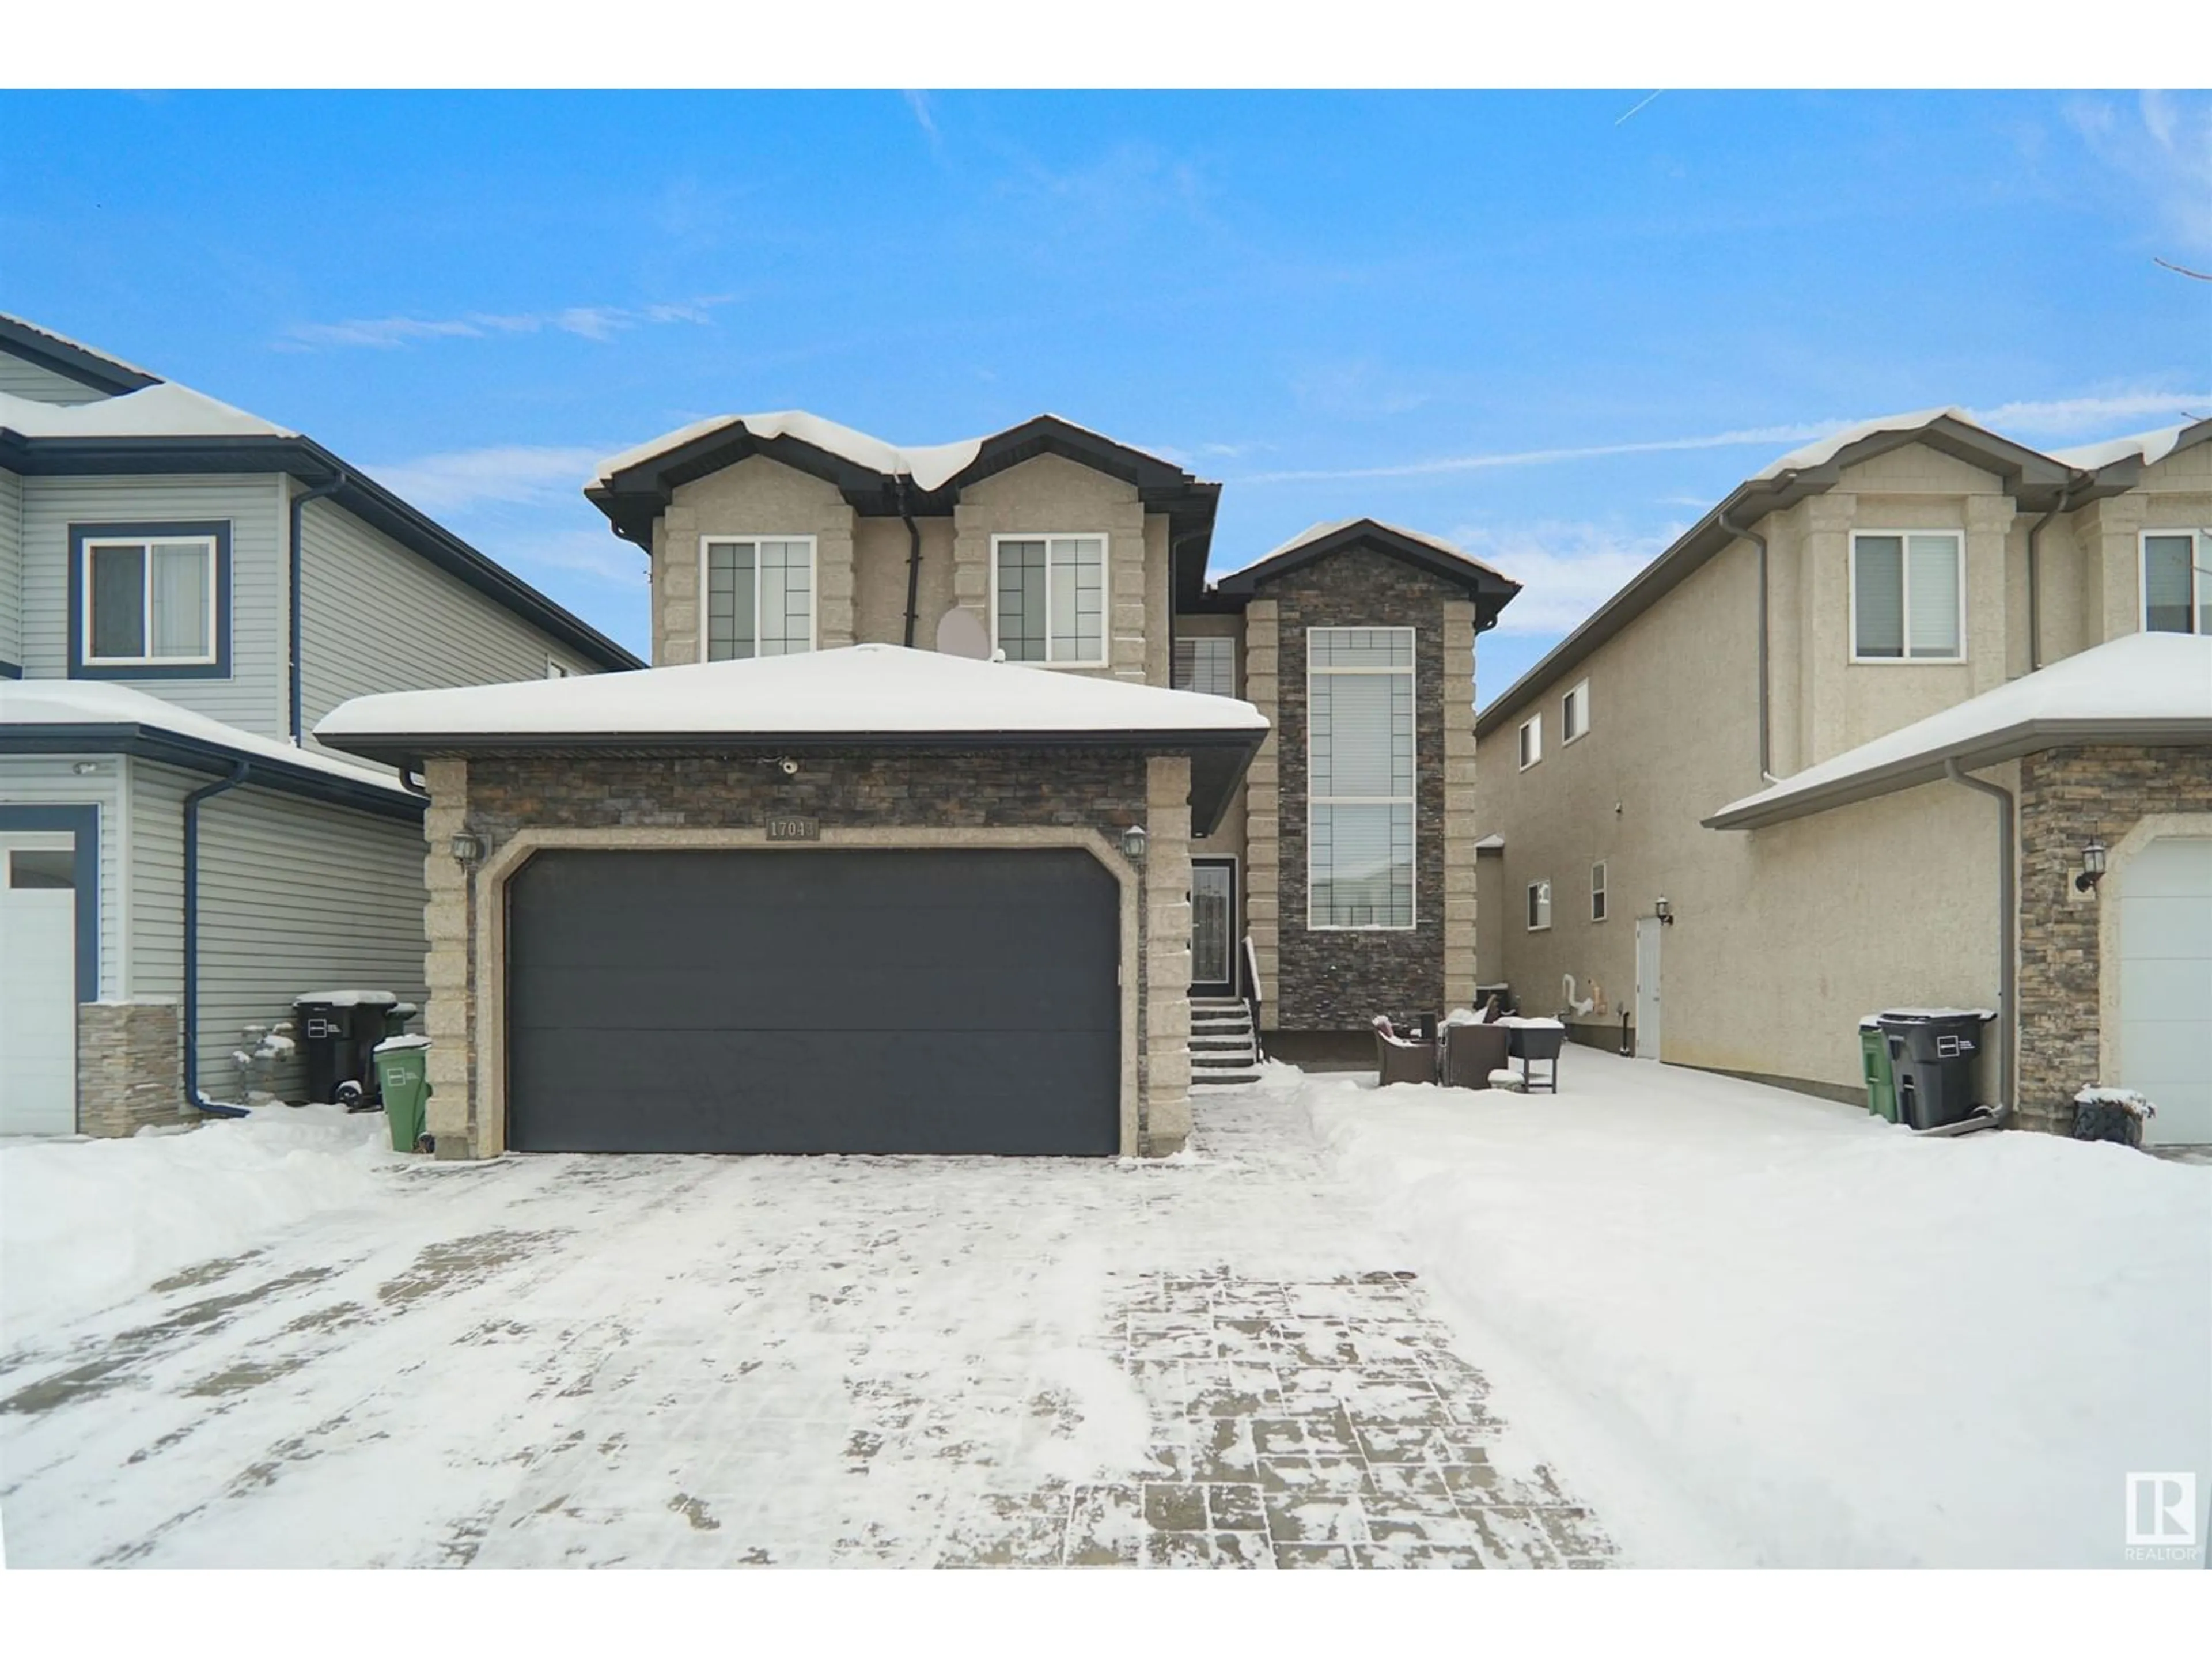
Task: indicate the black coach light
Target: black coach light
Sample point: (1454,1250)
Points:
(2093,867)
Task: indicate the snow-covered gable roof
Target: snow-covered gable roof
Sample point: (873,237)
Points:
(163,410)
(1822,451)
(930,465)
(101,370)
(1322,531)
(2144,448)
(2140,687)
(1491,587)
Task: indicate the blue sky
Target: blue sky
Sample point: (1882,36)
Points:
(1520,320)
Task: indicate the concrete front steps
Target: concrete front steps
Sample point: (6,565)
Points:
(1224,1048)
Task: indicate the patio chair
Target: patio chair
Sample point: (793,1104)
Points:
(1539,1042)
(1398,1059)
(1472,1053)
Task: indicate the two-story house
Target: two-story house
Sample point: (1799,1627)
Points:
(185,590)
(1917,716)
(960,812)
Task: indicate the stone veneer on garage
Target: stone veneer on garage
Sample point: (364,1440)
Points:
(2069,796)
(129,1067)
(497,797)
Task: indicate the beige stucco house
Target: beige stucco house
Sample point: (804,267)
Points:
(1834,728)
(960,812)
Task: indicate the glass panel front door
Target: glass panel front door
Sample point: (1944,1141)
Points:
(1214,927)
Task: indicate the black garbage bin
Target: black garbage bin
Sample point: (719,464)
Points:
(1932,1055)
(338,1031)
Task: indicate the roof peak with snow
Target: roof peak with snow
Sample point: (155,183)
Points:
(930,465)
(164,410)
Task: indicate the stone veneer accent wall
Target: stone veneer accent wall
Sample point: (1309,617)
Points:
(129,1067)
(1337,981)
(497,797)
(2067,798)
(1460,833)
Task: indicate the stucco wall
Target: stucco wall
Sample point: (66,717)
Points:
(756,497)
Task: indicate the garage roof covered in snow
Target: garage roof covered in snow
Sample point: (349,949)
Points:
(2152,688)
(856,696)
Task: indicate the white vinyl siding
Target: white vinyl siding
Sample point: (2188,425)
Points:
(1540,906)
(11,570)
(1908,596)
(2177,581)
(1049,599)
(53,780)
(1574,713)
(21,378)
(1597,892)
(1530,742)
(252,693)
(1360,777)
(1207,663)
(760,593)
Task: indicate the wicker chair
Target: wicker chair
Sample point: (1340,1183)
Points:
(1472,1053)
(1399,1061)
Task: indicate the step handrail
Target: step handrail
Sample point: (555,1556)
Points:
(1254,996)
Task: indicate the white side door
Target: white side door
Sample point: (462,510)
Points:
(38,984)
(2165,985)
(1648,930)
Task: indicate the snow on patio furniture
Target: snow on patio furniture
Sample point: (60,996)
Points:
(1539,1040)
(2118,1115)
(1399,1060)
(1473,1049)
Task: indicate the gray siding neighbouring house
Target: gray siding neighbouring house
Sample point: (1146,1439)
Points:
(253,695)
(11,570)
(20,378)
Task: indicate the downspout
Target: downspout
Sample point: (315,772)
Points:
(1765,716)
(913,560)
(2008,929)
(299,503)
(2035,577)
(193,1098)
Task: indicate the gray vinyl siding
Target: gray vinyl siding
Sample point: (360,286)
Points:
(378,617)
(11,569)
(252,697)
(295,896)
(53,780)
(21,378)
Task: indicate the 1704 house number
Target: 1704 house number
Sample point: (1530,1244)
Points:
(794,829)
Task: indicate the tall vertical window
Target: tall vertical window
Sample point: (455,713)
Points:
(1540,906)
(1908,597)
(1532,741)
(1050,598)
(2177,581)
(1597,892)
(760,597)
(1574,712)
(1359,752)
(148,601)
(1205,663)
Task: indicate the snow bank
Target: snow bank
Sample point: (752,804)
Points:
(83,1223)
(1771,1330)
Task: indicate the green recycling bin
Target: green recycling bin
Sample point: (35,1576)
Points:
(1874,1062)
(403,1074)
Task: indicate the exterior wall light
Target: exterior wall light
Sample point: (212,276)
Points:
(2093,867)
(1663,910)
(466,848)
(1134,842)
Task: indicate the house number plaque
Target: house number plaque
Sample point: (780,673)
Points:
(794,829)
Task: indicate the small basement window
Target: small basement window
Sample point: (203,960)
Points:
(1207,663)
(1597,892)
(2177,582)
(1532,741)
(1048,593)
(760,597)
(1574,713)
(1908,597)
(1540,906)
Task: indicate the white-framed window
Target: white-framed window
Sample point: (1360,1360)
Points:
(1207,662)
(1049,596)
(1532,741)
(149,601)
(1597,892)
(1540,906)
(2177,581)
(759,596)
(1908,596)
(1359,801)
(1574,712)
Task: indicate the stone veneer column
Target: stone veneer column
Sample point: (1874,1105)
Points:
(1461,807)
(676,587)
(1127,643)
(833,599)
(2110,537)
(449,922)
(971,561)
(1263,821)
(1163,1079)
(129,1067)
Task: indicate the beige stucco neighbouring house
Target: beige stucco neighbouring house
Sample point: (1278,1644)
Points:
(1905,572)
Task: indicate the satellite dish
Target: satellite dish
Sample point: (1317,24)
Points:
(961,633)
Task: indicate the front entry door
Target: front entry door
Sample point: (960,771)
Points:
(1213,927)
(1648,934)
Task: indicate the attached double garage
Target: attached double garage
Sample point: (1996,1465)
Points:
(867,900)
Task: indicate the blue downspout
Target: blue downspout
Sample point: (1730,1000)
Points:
(299,503)
(193,1098)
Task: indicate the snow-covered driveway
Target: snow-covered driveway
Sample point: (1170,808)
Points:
(702,1361)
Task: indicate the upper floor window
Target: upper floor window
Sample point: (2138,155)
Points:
(1049,598)
(1597,892)
(1908,597)
(2177,581)
(1207,663)
(150,600)
(1532,741)
(760,597)
(1540,906)
(1359,752)
(1574,713)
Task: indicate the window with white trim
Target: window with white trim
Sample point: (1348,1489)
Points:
(1574,712)
(1207,662)
(2177,581)
(1048,595)
(1540,906)
(1908,596)
(1532,741)
(760,597)
(1360,802)
(149,601)
(1597,892)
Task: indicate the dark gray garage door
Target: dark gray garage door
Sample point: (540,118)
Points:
(817,1000)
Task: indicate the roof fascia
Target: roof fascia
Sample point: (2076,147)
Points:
(71,361)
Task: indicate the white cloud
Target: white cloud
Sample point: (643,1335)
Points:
(919,103)
(1565,569)
(587,322)
(1768,435)
(2164,145)
(2103,416)
(597,553)
(525,474)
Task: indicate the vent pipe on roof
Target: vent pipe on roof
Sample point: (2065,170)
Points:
(2008,930)
(1765,719)
(193,1098)
(298,504)
(2035,576)
(913,558)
